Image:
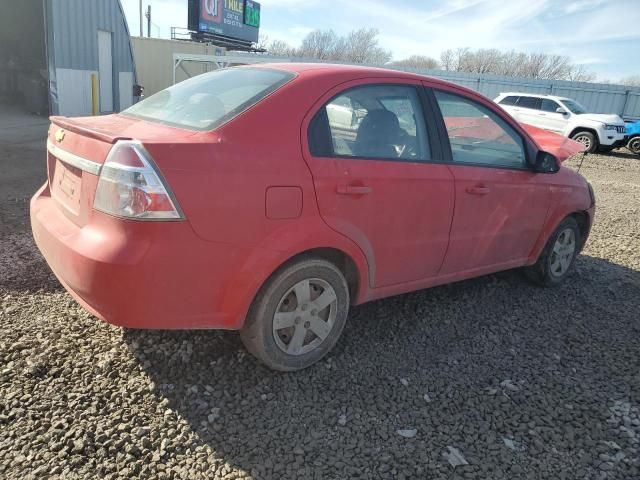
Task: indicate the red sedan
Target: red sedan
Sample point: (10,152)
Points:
(269,199)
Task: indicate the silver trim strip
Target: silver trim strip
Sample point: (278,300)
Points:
(74,160)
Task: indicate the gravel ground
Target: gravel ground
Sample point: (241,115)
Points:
(489,378)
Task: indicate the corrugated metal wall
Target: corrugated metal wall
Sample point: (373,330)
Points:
(154,61)
(73,27)
(596,97)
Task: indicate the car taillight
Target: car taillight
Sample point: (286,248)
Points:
(130,186)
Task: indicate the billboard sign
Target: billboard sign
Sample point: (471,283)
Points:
(238,19)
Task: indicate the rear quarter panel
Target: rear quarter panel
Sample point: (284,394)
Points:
(221,178)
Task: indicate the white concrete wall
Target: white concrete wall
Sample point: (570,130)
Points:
(154,61)
(125,89)
(74,92)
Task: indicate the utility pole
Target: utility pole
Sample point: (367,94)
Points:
(148,15)
(141,32)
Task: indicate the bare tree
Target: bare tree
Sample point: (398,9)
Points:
(632,81)
(516,64)
(280,48)
(361,46)
(417,61)
(454,60)
(320,44)
(580,74)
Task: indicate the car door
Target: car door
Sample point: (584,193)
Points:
(554,121)
(378,181)
(529,111)
(500,204)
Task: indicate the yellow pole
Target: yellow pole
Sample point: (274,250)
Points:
(94,94)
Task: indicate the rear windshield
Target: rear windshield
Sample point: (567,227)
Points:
(211,99)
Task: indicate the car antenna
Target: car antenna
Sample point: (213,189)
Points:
(584,154)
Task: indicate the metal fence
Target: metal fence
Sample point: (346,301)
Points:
(596,97)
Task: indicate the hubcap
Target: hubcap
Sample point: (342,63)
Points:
(562,253)
(583,139)
(305,316)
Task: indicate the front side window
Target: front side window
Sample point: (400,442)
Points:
(529,102)
(549,105)
(574,107)
(211,99)
(478,135)
(377,121)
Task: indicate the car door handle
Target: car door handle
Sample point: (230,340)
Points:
(478,190)
(353,189)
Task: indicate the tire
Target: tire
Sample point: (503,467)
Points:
(296,345)
(545,271)
(588,139)
(634,145)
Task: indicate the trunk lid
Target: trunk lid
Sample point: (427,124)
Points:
(76,150)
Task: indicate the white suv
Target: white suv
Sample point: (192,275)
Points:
(566,117)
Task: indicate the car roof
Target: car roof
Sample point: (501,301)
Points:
(537,95)
(329,69)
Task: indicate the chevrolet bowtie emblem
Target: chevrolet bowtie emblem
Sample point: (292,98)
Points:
(60,135)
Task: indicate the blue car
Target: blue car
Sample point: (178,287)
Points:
(633,133)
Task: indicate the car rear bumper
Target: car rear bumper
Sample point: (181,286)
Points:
(157,275)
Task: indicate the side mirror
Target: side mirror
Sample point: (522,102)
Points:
(561,110)
(546,163)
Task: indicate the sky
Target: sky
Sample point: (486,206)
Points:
(603,35)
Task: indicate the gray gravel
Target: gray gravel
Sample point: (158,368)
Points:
(490,378)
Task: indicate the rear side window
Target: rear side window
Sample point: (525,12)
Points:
(529,102)
(510,100)
(373,121)
(477,135)
(209,100)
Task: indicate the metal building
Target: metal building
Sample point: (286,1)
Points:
(65,57)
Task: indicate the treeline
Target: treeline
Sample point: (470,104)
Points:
(362,47)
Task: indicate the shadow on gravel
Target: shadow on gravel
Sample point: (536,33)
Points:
(22,268)
(496,358)
(622,153)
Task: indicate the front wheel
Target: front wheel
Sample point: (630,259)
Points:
(587,139)
(298,316)
(634,145)
(558,256)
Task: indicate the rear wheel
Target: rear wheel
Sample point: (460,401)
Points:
(587,139)
(298,316)
(634,145)
(558,256)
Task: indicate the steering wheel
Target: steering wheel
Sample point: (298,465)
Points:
(408,145)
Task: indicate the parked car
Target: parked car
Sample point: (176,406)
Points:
(233,201)
(633,135)
(596,131)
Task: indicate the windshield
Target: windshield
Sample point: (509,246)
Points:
(211,99)
(574,107)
